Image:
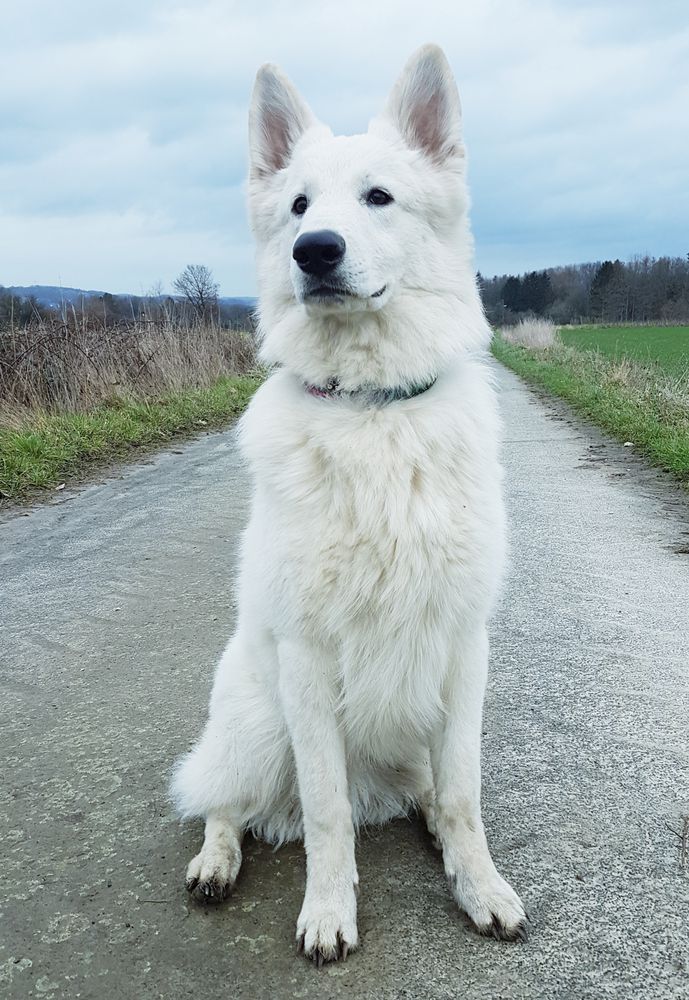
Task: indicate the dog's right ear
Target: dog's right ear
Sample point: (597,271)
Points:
(278,117)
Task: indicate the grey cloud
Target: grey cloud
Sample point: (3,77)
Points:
(123,126)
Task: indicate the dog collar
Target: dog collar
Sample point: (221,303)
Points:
(369,395)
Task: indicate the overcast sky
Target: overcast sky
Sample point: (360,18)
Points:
(123,126)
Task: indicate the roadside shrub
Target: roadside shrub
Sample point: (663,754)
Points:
(536,334)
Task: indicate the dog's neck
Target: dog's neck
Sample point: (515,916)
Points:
(405,345)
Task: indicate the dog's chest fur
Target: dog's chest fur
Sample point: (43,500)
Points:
(381,532)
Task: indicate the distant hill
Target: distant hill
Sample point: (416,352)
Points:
(248,301)
(52,296)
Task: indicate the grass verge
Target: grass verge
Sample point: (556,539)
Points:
(629,400)
(56,447)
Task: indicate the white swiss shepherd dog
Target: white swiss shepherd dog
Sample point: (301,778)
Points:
(352,690)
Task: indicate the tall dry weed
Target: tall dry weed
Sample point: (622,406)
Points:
(56,366)
(536,334)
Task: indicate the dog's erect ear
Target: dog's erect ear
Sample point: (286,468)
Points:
(424,105)
(278,117)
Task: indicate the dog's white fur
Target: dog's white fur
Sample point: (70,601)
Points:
(353,688)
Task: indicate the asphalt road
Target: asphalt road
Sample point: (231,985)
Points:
(116,601)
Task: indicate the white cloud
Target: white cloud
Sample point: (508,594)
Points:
(123,135)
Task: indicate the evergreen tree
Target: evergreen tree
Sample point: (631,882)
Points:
(599,287)
(512,294)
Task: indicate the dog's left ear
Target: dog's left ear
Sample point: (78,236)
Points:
(424,106)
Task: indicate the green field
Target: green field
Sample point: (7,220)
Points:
(667,346)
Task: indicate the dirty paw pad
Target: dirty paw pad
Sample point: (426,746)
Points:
(213,890)
(319,956)
(211,876)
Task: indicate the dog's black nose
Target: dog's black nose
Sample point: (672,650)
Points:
(318,252)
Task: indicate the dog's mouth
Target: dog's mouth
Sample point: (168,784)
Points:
(331,293)
(327,293)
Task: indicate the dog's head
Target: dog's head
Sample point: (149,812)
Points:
(349,226)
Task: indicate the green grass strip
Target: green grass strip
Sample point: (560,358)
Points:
(54,448)
(667,346)
(631,401)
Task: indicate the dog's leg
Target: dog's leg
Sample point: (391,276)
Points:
(240,769)
(427,803)
(477,886)
(213,872)
(326,928)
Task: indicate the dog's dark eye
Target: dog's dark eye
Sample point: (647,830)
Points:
(299,205)
(376,196)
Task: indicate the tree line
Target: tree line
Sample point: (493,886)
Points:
(196,300)
(645,289)
(641,290)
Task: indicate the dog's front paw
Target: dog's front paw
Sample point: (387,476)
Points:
(491,903)
(212,874)
(326,929)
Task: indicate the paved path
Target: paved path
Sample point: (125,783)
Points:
(115,604)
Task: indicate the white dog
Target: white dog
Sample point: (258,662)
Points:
(353,688)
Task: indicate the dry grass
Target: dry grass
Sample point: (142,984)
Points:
(73,394)
(54,367)
(536,334)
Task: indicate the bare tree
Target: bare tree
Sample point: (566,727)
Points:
(198,286)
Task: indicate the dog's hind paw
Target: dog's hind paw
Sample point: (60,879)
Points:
(212,874)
